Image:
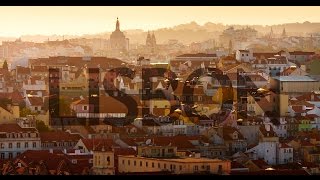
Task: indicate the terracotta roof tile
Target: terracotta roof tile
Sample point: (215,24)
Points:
(15,128)
(59,136)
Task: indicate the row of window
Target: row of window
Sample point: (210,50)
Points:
(21,135)
(10,155)
(172,166)
(102,115)
(18,145)
(166,165)
(60,144)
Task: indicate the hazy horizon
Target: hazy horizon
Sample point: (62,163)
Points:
(78,21)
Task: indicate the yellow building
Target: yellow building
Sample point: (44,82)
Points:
(6,116)
(164,159)
(103,162)
(188,165)
(272,102)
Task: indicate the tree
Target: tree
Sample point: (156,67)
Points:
(64,107)
(25,111)
(5,65)
(41,126)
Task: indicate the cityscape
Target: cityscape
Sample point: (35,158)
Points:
(160,90)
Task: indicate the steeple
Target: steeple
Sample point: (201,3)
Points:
(148,40)
(153,38)
(271,33)
(284,34)
(117,25)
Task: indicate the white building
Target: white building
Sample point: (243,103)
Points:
(244,55)
(285,153)
(14,140)
(281,129)
(267,147)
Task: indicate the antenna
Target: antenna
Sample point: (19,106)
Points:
(148,142)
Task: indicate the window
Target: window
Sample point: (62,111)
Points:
(208,167)
(146,164)
(34,144)
(10,145)
(140,163)
(180,168)
(18,153)
(152,164)
(196,168)
(18,145)
(10,156)
(170,150)
(159,165)
(122,161)
(134,163)
(85,108)
(128,162)
(2,156)
(165,166)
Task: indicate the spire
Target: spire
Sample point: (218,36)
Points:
(118,24)
(148,40)
(284,34)
(271,33)
(153,37)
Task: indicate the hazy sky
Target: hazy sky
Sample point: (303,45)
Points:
(17,21)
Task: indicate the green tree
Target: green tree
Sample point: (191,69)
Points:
(5,65)
(64,107)
(41,126)
(25,111)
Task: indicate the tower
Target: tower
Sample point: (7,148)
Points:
(148,40)
(117,25)
(284,34)
(230,47)
(119,44)
(271,34)
(153,40)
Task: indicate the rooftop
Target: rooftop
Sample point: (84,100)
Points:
(295,78)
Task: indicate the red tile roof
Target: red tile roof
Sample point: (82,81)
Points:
(284,145)
(261,163)
(301,53)
(306,143)
(181,142)
(97,144)
(39,69)
(15,128)
(308,97)
(235,165)
(35,101)
(198,55)
(22,70)
(59,136)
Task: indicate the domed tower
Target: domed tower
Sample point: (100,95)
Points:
(118,42)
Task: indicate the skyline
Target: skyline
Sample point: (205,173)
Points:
(91,20)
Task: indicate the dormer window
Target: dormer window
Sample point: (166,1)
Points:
(235,135)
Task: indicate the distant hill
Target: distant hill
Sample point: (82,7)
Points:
(187,33)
